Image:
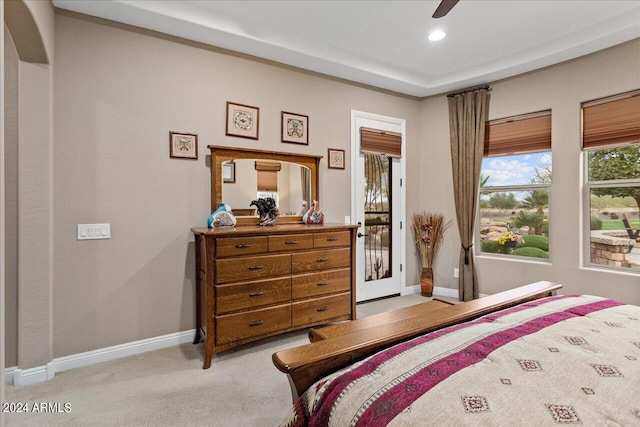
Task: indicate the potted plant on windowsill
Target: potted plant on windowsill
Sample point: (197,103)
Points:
(428,231)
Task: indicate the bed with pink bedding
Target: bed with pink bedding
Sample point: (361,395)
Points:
(570,359)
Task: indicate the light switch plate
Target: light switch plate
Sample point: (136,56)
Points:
(94,231)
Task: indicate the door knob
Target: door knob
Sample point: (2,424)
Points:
(362,235)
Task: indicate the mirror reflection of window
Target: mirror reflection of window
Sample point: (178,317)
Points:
(291,187)
(267,194)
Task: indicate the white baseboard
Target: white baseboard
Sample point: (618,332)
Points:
(8,374)
(21,377)
(408,290)
(437,291)
(446,292)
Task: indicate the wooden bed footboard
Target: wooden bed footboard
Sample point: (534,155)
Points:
(306,364)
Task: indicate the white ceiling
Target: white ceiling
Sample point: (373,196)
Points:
(384,43)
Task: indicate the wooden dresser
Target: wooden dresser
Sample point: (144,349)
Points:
(253,282)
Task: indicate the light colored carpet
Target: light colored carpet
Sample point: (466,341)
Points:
(169,387)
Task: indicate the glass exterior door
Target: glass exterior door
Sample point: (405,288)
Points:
(377,217)
(377,206)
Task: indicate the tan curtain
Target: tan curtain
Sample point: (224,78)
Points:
(467,117)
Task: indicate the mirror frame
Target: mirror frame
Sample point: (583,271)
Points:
(220,154)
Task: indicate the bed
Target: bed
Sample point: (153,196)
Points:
(520,357)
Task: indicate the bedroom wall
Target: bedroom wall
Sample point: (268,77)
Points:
(119,92)
(560,88)
(31,24)
(11,198)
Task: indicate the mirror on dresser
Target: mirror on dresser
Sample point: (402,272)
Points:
(240,175)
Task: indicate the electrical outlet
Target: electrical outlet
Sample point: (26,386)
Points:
(456,273)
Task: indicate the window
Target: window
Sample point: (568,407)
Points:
(611,145)
(514,187)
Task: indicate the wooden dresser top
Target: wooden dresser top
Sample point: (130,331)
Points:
(253,230)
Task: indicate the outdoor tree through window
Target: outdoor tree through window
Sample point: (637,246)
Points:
(611,142)
(514,187)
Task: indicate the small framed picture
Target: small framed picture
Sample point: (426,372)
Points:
(336,158)
(183,145)
(295,128)
(229,172)
(242,120)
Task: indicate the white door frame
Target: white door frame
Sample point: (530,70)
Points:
(394,125)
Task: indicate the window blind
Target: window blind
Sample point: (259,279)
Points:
(375,141)
(611,121)
(268,166)
(527,133)
(267,180)
(267,175)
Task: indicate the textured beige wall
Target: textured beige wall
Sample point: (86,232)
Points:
(31,26)
(11,198)
(118,93)
(560,88)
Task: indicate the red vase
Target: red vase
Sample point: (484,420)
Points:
(426,282)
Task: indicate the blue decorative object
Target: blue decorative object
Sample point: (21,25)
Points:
(221,217)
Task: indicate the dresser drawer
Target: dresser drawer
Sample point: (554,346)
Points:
(320,260)
(322,283)
(235,246)
(235,327)
(247,268)
(332,239)
(320,309)
(290,242)
(243,296)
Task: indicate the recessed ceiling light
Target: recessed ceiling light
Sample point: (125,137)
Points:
(436,35)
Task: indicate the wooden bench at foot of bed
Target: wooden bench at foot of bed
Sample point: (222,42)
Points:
(388,317)
(349,342)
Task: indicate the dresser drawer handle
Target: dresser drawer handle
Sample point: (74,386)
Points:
(291,242)
(322,283)
(258,323)
(322,260)
(256,267)
(243,246)
(326,308)
(332,239)
(256,294)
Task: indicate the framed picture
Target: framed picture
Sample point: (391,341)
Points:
(295,128)
(229,172)
(183,145)
(242,120)
(336,158)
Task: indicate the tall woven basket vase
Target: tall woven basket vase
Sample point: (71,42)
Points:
(426,282)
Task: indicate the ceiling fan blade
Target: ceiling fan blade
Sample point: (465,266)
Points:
(444,8)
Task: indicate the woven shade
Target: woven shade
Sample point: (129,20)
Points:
(611,121)
(529,133)
(380,142)
(267,180)
(268,166)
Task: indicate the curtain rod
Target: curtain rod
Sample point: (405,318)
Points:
(462,92)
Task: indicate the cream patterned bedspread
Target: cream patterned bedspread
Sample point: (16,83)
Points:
(560,360)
